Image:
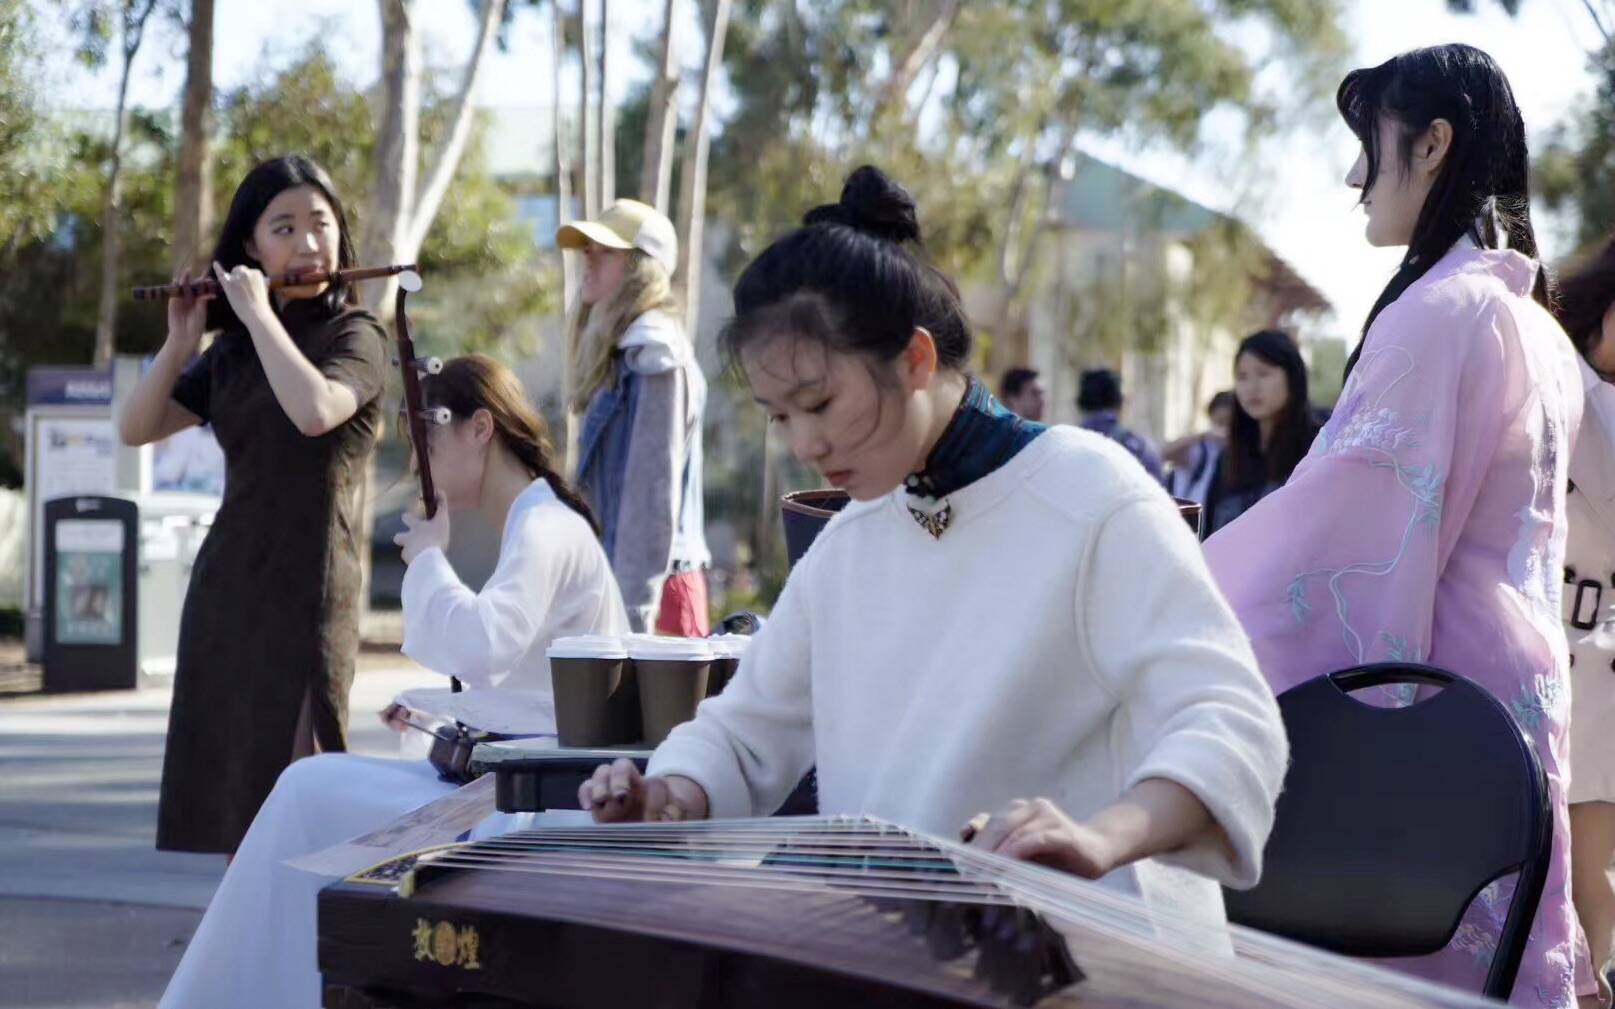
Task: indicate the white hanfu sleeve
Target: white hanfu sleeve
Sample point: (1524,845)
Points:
(479,636)
(1197,710)
(750,746)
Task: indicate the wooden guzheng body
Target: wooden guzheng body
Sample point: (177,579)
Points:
(787,912)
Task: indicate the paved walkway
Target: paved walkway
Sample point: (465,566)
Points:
(91,915)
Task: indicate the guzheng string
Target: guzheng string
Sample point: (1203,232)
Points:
(1110,934)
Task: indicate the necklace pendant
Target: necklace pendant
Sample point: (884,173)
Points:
(935,523)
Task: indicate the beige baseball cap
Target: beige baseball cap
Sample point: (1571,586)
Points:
(626,224)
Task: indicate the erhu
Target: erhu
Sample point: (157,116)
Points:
(416,416)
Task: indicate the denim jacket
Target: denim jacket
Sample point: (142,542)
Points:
(640,461)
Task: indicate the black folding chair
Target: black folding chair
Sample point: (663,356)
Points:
(1393,819)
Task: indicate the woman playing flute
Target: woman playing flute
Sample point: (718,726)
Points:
(292,387)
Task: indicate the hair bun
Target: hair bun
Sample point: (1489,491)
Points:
(873,204)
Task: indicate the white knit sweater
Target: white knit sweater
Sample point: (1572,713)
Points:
(1063,639)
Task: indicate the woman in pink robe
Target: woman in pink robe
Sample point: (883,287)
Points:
(1427,523)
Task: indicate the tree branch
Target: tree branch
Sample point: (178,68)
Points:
(693,186)
(908,66)
(1008,267)
(446,159)
(586,121)
(1068,136)
(134,25)
(1598,20)
(605,120)
(397,150)
(656,176)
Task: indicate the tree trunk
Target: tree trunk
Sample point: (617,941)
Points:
(586,117)
(193,191)
(134,26)
(397,156)
(661,125)
(107,317)
(693,186)
(562,138)
(392,195)
(606,120)
(1016,253)
(445,160)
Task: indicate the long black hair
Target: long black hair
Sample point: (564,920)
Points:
(854,278)
(265,182)
(1482,187)
(1585,294)
(1246,464)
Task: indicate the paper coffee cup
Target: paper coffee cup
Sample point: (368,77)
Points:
(727,650)
(672,675)
(588,678)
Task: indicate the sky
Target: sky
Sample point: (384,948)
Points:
(1295,198)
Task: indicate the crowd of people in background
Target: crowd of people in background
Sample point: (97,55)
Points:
(1255,433)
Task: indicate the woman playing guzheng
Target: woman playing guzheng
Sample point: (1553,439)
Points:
(1428,522)
(1007,618)
(255,947)
(292,386)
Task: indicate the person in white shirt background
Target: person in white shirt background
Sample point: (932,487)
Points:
(255,947)
(1586,310)
(1006,618)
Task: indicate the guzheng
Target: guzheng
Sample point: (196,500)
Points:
(792,912)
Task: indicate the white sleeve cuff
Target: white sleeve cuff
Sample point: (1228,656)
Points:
(688,753)
(1223,778)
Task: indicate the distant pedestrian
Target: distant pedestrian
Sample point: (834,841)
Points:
(1099,398)
(1022,392)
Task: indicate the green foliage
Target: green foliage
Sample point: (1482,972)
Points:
(103,28)
(24,178)
(1011,80)
(1576,170)
(303,108)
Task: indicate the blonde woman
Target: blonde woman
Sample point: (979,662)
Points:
(636,382)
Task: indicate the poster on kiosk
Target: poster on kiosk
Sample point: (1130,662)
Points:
(72,448)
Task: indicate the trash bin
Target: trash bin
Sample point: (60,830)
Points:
(90,597)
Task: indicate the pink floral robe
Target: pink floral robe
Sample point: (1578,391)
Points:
(1428,524)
